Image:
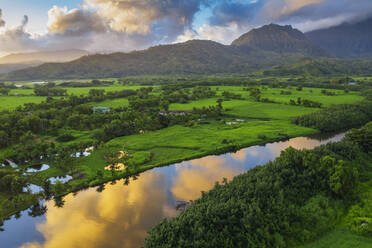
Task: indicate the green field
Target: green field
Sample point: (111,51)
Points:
(313,94)
(340,238)
(12,102)
(115,103)
(178,143)
(249,108)
(85,90)
(245,108)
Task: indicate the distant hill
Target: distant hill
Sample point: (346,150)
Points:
(348,40)
(279,39)
(322,67)
(6,68)
(42,57)
(191,57)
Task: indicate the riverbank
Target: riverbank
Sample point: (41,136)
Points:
(161,188)
(242,123)
(179,143)
(293,200)
(167,146)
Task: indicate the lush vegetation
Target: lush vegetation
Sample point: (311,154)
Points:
(338,117)
(168,122)
(292,200)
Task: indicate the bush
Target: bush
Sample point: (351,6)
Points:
(262,136)
(65,137)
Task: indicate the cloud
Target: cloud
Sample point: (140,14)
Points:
(136,24)
(17,39)
(328,13)
(305,14)
(201,175)
(130,24)
(120,216)
(239,12)
(222,34)
(74,22)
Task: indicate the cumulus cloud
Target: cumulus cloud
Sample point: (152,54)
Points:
(74,22)
(100,220)
(131,24)
(138,16)
(135,24)
(16,39)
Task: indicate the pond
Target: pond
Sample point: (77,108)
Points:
(120,213)
(62,179)
(33,189)
(37,168)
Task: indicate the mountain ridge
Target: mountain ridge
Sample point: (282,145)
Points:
(191,57)
(258,49)
(347,40)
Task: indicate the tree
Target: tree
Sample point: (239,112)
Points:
(344,179)
(4,91)
(4,139)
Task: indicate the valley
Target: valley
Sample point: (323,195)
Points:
(191,124)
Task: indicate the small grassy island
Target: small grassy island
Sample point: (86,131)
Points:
(61,137)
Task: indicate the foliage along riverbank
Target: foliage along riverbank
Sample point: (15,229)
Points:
(292,200)
(167,138)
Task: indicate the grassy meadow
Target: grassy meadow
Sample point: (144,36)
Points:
(12,102)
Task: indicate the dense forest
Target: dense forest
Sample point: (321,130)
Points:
(338,117)
(294,199)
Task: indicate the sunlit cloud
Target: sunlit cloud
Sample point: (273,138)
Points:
(201,176)
(100,220)
(136,24)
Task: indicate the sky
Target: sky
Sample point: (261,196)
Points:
(126,25)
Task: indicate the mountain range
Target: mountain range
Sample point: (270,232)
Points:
(261,48)
(348,40)
(17,61)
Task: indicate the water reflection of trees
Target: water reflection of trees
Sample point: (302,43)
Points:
(37,210)
(59,202)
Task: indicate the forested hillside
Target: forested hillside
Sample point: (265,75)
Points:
(348,40)
(323,67)
(192,57)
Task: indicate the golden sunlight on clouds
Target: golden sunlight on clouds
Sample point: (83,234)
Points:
(200,177)
(134,16)
(276,9)
(239,155)
(118,217)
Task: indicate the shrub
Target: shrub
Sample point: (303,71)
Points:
(65,137)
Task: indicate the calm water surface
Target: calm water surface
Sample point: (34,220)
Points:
(120,214)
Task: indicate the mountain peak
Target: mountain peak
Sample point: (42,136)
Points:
(281,39)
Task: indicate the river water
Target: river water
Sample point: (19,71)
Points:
(119,214)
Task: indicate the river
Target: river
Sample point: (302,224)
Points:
(120,213)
